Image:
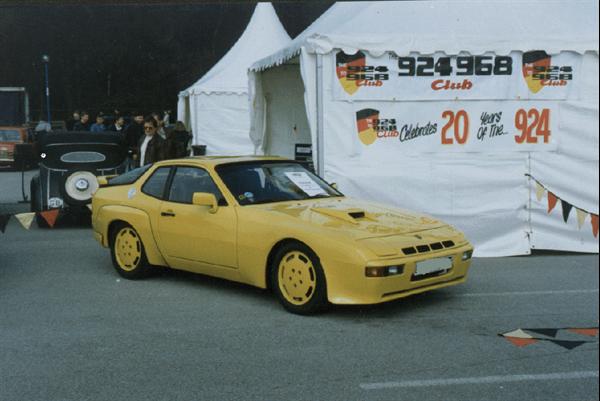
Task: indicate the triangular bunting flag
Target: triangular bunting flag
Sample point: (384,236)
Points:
(50,216)
(568,344)
(545,332)
(4,221)
(551,201)
(519,338)
(517,334)
(539,191)
(566,209)
(593,332)
(581,215)
(521,342)
(25,219)
(595,224)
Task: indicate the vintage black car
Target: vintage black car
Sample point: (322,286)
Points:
(69,164)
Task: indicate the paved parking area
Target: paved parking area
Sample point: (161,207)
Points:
(71,329)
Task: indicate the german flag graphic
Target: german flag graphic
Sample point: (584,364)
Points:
(532,59)
(342,62)
(366,123)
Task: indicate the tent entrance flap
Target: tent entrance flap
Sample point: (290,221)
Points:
(287,133)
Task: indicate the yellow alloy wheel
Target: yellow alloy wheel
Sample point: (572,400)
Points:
(297,278)
(128,249)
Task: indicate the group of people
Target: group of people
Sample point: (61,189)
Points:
(149,138)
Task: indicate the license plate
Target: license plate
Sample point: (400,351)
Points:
(433,266)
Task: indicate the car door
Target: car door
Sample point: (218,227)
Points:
(191,233)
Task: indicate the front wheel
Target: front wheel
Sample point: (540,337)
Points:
(298,279)
(127,252)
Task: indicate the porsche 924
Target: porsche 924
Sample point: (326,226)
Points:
(271,223)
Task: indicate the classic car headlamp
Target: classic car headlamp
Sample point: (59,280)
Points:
(467,255)
(383,271)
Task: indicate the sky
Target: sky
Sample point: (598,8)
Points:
(132,57)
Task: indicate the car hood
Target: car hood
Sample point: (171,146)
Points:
(360,219)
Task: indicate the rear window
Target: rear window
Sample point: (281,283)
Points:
(9,135)
(129,177)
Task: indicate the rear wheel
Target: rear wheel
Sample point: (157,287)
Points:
(127,252)
(298,279)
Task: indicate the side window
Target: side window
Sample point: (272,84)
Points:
(188,180)
(155,185)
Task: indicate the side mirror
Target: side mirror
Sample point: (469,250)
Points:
(205,199)
(333,185)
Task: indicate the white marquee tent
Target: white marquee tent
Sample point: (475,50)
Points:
(215,108)
(481,113)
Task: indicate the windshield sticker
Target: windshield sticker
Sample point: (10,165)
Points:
(131,193)
(305,183)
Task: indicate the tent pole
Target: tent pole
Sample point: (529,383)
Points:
(320,142)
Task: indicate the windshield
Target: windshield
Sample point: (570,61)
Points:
(129,177)
(265,182)
(9,135)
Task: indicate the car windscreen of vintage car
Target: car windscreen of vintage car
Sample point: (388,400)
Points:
(9,135)
(266,182)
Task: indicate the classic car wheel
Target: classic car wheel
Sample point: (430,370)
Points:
(298,279)
(127,251)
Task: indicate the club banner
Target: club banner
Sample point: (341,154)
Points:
(529,75)
(506,126)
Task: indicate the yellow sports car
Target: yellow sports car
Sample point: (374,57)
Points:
(271,223)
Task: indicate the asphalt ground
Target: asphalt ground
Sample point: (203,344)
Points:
(72,329)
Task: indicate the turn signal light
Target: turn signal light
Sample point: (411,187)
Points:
(384,271)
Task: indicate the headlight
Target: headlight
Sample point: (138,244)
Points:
(467,255)
(384,271)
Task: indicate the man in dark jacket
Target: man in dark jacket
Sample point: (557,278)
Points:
(133,133)
(84,123)
(151,145)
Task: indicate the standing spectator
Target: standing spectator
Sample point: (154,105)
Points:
(167,118)
(99,125)
(151,145)
(160,122)
(73,120)
(177,142)
(119,125)
(84,122)
(133,133)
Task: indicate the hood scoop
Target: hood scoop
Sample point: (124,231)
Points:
(348,215)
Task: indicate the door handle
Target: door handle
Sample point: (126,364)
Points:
(167,214)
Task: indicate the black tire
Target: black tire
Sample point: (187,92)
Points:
(128,266)
(314,300)
(36,203)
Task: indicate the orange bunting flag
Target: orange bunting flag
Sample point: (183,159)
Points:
(595,224)
(552,199)
(591,332)
(50,216)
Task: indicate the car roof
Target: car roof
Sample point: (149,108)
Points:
(217,160)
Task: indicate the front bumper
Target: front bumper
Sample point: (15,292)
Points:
(348,284)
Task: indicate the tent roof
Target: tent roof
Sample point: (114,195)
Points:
(263,35)
(448,26)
